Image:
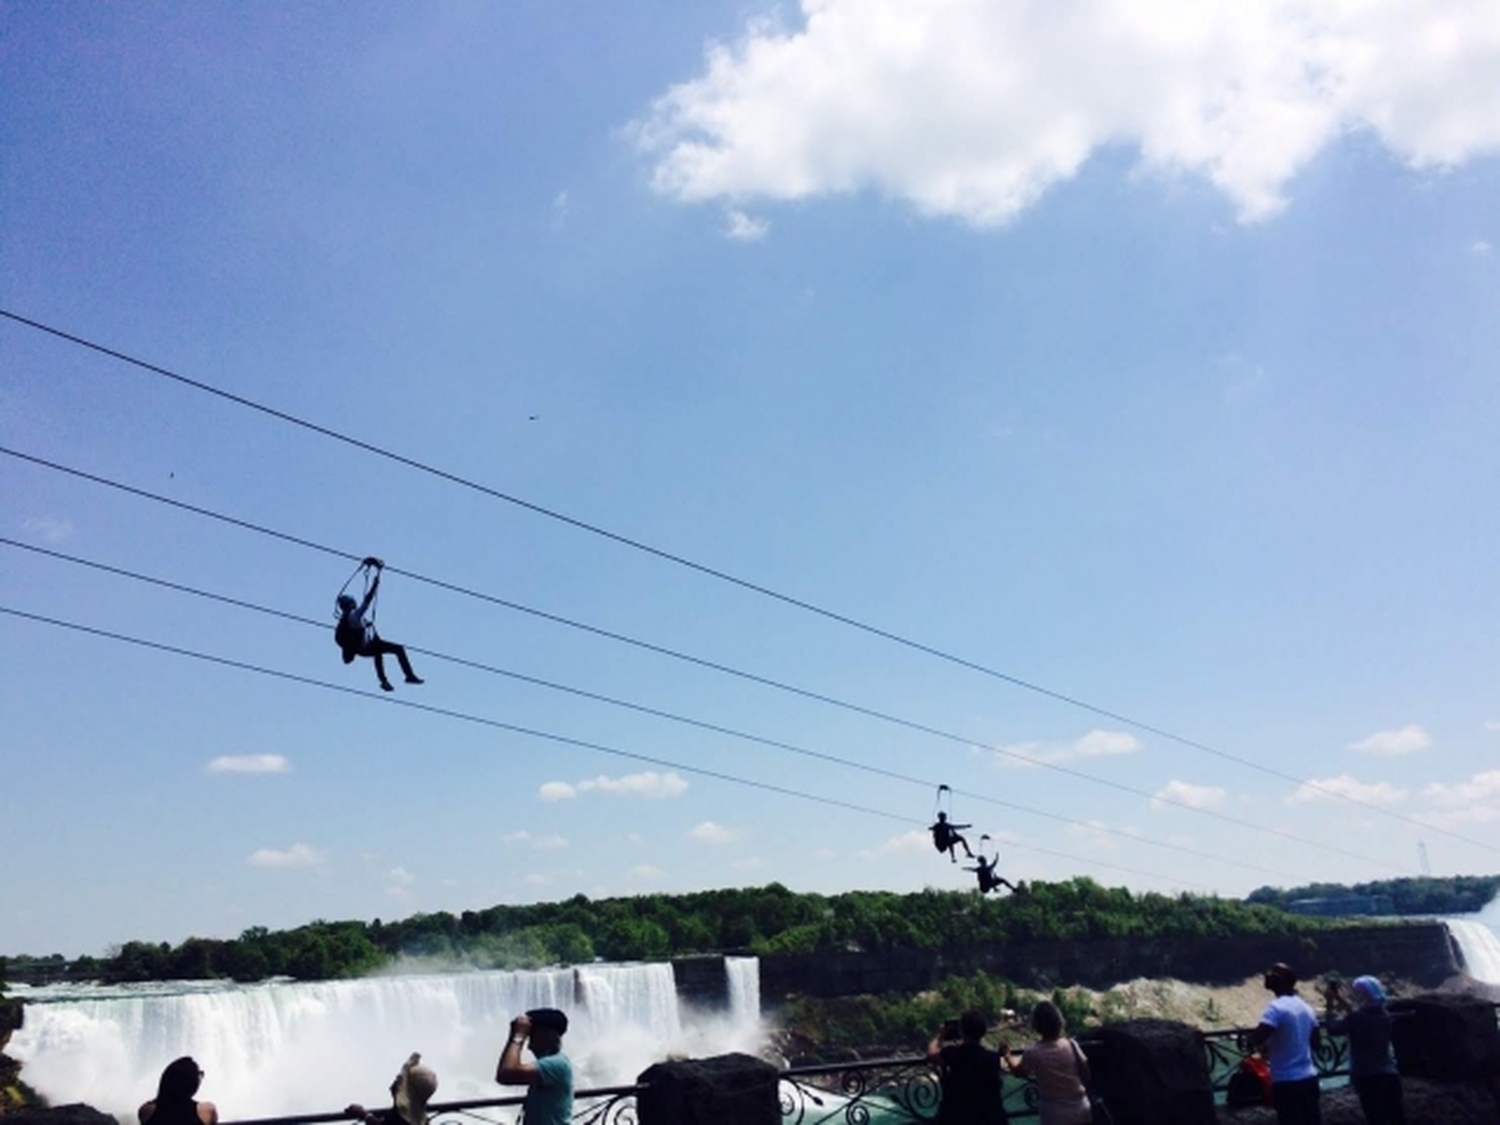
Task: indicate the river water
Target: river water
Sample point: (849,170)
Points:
(283,1047)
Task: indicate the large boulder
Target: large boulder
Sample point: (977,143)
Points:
(1152,1072)
(1446,1036)
(724,1090)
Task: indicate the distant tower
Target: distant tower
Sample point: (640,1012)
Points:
(1422,856)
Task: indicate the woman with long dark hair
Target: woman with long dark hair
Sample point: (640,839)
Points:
(174,1104)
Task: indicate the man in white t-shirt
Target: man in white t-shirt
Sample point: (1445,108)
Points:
(1288,1031)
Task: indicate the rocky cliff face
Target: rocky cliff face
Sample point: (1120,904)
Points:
(1417,952)
(15,1095)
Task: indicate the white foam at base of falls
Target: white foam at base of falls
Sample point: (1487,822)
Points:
(1479,946)
(282,1047)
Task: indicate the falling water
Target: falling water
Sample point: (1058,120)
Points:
(744,988)
(1479,947)
(280,1048)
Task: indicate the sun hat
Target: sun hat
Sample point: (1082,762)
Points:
(413,1088)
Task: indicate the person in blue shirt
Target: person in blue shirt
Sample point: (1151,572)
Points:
(1288,1031)
(1372,1066)
(549,1080)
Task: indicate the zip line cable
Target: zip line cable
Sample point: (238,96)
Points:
(700,724)
(668,556)
(547,736)
(751,677)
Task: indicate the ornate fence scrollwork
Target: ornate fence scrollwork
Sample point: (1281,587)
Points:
(882,1092)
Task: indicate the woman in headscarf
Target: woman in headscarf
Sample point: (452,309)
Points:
(1372,1065)
(174,1104)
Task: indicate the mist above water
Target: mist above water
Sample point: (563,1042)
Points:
(280,1048)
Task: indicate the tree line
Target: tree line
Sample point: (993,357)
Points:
(1458,894)
(757,920)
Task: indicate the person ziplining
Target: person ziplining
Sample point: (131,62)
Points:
(355,633)
(989,878)
(945,834)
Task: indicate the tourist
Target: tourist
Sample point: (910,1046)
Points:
(356,636)
(549,1099)
(946,837)
(1372,1066)
(1059,1068)
(412,1089)
(174,1104)
(969,1073)
(1288,1030)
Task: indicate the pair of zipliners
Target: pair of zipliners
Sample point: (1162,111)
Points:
(946,837)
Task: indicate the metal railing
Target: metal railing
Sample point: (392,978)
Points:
(604,1105)
(895,1091)
(880,1092)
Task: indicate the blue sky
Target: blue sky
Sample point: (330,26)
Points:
(1145,356)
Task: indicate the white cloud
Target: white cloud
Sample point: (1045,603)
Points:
(1481,249)
(1105,743)
(651,785)
(398,880)
(49,529)
(973,109)
(1394,743)
(298,855)
(644,872)
(749,863)
(1493,725)
(538,880)
(908,843)
(1095,744)
(1481,787)
(250,763)
(710,833)
(548,843)
(556,791)
(1331,788)
(1185,793)
(740,227)
(559,210)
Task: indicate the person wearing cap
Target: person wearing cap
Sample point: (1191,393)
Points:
(549,1097)
(412,1089)
(356,636)
(174,1104)
(1288,1031)
(1372,1066)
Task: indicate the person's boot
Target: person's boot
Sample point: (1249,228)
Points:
(385,685)
(413,678)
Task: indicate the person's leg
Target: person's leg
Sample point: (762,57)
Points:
(1297,1103)
(400,653)
(379,654)
(1380,1099)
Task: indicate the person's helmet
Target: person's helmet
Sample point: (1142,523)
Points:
(346,602)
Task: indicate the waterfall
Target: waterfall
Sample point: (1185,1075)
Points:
(743,974)
(281,1047)
(1479,947)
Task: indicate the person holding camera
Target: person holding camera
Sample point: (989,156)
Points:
(549,1097)
(1363,1017)
(969,1073)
